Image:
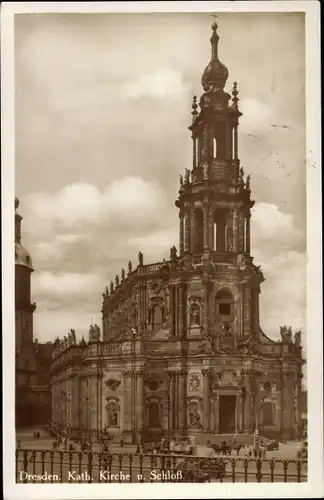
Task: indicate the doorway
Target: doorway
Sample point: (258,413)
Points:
(227,414)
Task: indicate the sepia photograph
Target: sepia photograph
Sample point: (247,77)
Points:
(163,329)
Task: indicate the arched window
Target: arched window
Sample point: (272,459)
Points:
(224,304)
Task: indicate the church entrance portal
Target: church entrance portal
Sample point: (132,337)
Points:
(227,414)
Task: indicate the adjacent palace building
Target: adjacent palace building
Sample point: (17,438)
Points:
(33,359)
(181,350)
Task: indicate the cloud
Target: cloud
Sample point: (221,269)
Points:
(272,229)
(157,243)
(163,82)
(84,203)
(256,115)
(283,294)
(67,283)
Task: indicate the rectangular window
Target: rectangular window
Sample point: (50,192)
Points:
(225,309)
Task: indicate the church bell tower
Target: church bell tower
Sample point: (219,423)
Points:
(215,207)
(24,308)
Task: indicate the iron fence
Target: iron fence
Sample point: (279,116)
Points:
(53,466)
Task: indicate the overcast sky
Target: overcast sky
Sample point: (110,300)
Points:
(103,107)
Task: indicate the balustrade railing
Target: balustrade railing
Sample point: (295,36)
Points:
(54,466)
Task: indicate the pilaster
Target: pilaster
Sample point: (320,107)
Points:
(206,402)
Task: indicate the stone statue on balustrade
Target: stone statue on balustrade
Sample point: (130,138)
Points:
(117,280)
(173,253)
(297,338)
(123,274)
(140,258)
(286,334)
(130,266)
(187,176)
(111,287)
(73,337)
(181,180)
(94,333)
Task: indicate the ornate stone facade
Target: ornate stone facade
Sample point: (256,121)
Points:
(182,350)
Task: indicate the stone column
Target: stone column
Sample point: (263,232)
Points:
(127,404)
(172,311)
(248,234)
(182,311)
(286,405)
(248,417)
(186,232)
(192,248)
(211,229)
(247,302)
(181,235)
(75,401)
(240,231)
(216,413)
(182,401)
(170,403)
(140,403)
(93,404)
(205,228)
(206,303)
(206,389)
(240,410)
(235,230)
(229,223)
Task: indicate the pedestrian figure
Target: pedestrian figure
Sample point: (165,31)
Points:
(255,452)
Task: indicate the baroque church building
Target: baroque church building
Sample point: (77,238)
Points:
(33,359)
(181,351)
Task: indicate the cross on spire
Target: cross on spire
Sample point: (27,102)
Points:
(214,26)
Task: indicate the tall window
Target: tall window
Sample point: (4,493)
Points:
(267,413)
(199,231)
(214,148)
(224,304)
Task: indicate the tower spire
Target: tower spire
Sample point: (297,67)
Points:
(215,74)
(214,39)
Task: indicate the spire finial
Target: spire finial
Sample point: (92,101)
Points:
(194,108)
(235,94)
